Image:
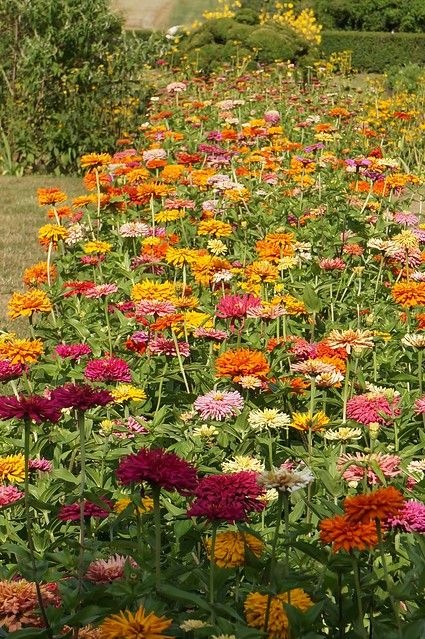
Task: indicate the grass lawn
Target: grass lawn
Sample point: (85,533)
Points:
(20,218)
(161,14)
(186,11)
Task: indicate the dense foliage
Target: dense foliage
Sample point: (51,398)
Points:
(216,427)
(70,79)
(376,52)
(372,15)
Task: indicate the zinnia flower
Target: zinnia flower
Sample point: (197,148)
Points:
(256,605)
(350,339)
(9,371)
(21,351)
(108,369)
(343,533)
(380,504)
(104,571)
(286,480)
(231,548)
(410,518)
(73,352)
(409,294)
(9,494)
(80,396)
(25,304)
(12,468)
(32,407)
(268,418)
(71,512)
(219,404)
(372,407)
(354,473)
(242,362)
(126,393)
(159,468)
(19,603)
(126,625)
(229,497)
(305,421)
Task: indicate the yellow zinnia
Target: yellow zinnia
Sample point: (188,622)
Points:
(126,625)
(126,392)
(12,468)
(231,548)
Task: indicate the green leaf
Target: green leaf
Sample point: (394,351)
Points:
(176,594)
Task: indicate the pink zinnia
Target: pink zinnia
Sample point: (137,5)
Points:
(303,349)
(236,306)
(108,369)
(134,229)
(9,371)
(411,518)
(163,346)
(9,494)
(154,307)
(41,464)
(227,497)
(332,264)
(369,408)
(101,290)
(420,405)
(104,571)
(159,468)
(74,352)
(210,333)
(219,404)
(71,512)
(389,465)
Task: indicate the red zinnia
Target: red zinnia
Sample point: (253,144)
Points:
(71,512)
(160,468)
(229,497)
(380,504)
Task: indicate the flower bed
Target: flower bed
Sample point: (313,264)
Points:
(216,426)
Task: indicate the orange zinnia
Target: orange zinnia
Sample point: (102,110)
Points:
(37,274)
(380,504)
(95,160)
(409,293)
(50,196)
(21,351)
(241,362)
(25,304)
(343,533)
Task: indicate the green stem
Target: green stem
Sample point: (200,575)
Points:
(27,430)
(82,435)
(341,623)
(273,558)
(180,360)
(420,369)
(387,577)
(108,326)
(345,394)
(156,491)
(212,570)
(360,615)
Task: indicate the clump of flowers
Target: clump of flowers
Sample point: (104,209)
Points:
(19,603)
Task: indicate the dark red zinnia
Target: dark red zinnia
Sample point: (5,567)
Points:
(160,468)
(80,396)
(227,497)
(33,407)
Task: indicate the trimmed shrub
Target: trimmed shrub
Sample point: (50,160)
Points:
(376,51)
(372,15)
(222,39)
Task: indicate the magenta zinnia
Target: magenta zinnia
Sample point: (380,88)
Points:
(9,371)
(159,468)
(73,352)
(108,369)
(71,512)
(219,404)
(227,497)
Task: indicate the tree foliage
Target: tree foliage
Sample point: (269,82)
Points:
(70,80)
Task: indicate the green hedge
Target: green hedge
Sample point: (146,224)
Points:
(376,51)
